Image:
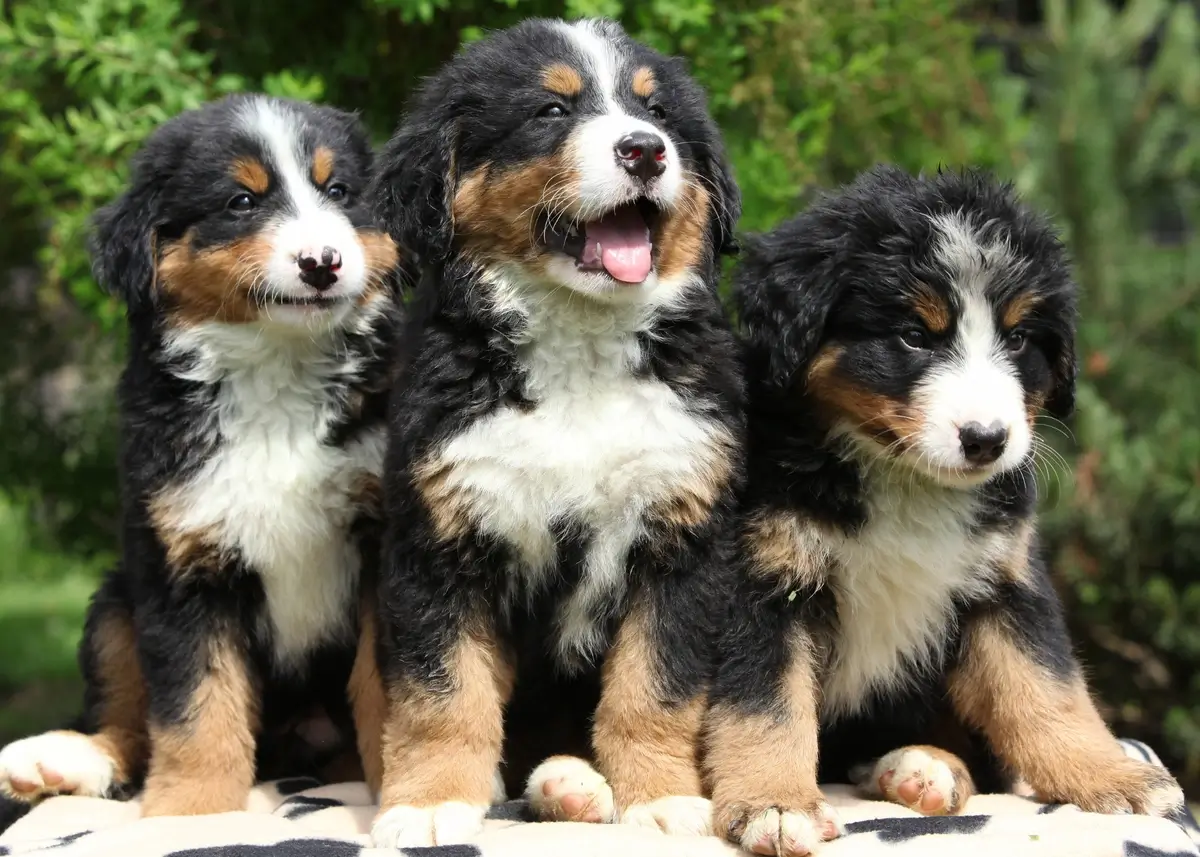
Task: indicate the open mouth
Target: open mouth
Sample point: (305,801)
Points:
(619,244)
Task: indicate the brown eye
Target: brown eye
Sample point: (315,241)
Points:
(337,191)
(915,338)
(553,111)
(1016,341)
(657,111)
(242,203)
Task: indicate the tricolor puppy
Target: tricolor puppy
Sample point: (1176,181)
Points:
(561,469)
(252,408)
(903,336)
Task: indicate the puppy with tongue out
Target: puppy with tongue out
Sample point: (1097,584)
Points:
(566,440)
(618,243)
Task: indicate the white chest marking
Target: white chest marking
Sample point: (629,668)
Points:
(274,491)
(598,450)
(896,582)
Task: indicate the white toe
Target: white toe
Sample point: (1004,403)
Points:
(449,823)
(793,834)
(53,763)
(682,816)
(913,764)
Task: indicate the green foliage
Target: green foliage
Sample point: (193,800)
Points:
(1114,150)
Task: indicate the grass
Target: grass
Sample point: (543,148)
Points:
(43,599)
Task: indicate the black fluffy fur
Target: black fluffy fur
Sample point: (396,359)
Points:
(461,364)
(839,273)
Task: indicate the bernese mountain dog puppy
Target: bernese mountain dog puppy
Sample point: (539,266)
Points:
(902,337)
(565,433)
(253,411)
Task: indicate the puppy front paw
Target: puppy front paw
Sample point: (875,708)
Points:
(566,788)
(925,779)
(680,815)
(1119,787)
(55,763)
(787,830)
(450,823)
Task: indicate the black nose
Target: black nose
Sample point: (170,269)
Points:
(982,444)
(642,154)
(319,269)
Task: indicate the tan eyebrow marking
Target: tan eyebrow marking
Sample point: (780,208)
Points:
(562,80)
(1016,310)
(933,310)
(643,82)
(251,174)
(322,165)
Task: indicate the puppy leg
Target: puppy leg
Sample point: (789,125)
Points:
(761,743)
(647,725)
(204,702)
(367,699)
(111,753)
(442,737)
(925,779)
(1018,683)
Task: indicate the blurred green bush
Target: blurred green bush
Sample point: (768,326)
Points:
(1100,128)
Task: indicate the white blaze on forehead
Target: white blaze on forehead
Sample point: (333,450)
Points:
(312,221)
(281,132)
(602,57)
(979,381)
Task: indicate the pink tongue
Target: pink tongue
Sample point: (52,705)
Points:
(624,245)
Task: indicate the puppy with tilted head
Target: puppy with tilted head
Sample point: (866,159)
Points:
(565,437)
(902,338)
(252,409)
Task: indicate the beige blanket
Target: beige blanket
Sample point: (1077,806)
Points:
(300,818)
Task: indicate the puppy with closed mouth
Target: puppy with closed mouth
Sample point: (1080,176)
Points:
(561,471)
(902,337)
(261,321)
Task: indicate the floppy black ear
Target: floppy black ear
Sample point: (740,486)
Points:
(727,196)
(122,240)
(1061,403)
(124,233)
(785,288)
(413,190)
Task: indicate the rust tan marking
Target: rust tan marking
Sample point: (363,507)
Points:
(252,175)
(368,700)
(1034,403)
(563,80)
(933,310)
(382,261)
(784,546)
(322,165)
(754,762)
(189,551)
(645,747)
(213,284)
(1016,547)
(691,503)
(448,505)
(1018,309)
(643,82)
(1045,728)
(122,689)
(892,422)
(205,764)
(681,237)
(444,746)
(496,211)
